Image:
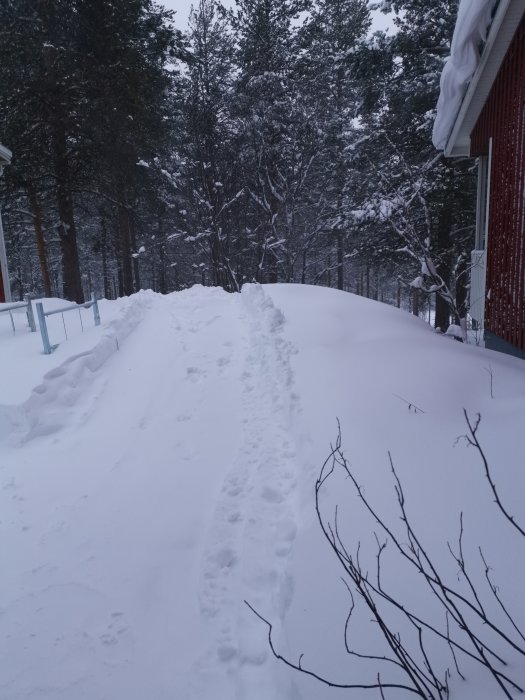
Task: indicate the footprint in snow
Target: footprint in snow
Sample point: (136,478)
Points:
(226,558)
(226,652)
(195,374)
(271,495)
(223,362)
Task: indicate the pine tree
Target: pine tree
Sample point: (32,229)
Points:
(333,38)
(125,45)
(427,202)
(214,184)
(89,95)
(270,131)
(40,78)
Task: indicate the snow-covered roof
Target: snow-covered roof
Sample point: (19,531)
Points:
(5,155)
(470,71)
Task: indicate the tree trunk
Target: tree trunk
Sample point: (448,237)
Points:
(133,239)
(376,293)
(461,290)
(444,244)
(415,301)
(162,258)
(120,280)
(39,236)
(124,248)
(442,319)
(340,260)
(71,279)
(105,273)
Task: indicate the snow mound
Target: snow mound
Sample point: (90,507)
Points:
(50,403)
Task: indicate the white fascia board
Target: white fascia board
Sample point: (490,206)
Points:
(5,155)
(504,25)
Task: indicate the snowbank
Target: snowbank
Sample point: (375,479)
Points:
(474,17)
(51,383)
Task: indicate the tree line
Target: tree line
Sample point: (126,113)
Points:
(278,141)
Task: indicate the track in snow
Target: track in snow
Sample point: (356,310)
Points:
(255,520)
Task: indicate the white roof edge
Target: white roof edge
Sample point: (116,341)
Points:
(5,155)
(453,148)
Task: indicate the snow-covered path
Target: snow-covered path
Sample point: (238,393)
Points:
(149,507)
(162,469)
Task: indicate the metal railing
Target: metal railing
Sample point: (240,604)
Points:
(9,308)
(48,348)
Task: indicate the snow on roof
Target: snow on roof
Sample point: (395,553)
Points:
(473,22)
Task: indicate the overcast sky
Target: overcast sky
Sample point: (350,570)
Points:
(182,7)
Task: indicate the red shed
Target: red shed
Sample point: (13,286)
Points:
(490,125)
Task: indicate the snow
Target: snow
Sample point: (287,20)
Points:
(159,470)
(474,18)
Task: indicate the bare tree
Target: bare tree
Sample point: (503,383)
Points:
(474,623)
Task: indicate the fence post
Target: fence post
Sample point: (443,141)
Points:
(96,313)
(43,328)
(30,314)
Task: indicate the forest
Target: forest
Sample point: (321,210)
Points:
(278,141)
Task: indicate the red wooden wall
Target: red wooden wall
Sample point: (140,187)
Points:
(503,119)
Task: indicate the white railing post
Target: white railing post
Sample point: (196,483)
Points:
(43,328)
(96,313)
(30,314)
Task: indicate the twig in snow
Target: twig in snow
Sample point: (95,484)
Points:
(325,681)
(472,440)
(411,406)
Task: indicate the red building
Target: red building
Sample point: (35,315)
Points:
(490,125)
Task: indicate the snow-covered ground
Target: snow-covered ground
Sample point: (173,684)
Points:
(159,470)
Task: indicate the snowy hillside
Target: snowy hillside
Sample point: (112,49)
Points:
(158,471)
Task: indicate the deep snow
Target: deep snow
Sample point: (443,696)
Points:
(159,470)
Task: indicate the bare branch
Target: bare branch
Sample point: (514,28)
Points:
(472,439)
(325,681)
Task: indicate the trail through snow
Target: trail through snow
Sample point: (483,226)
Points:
(187,459)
